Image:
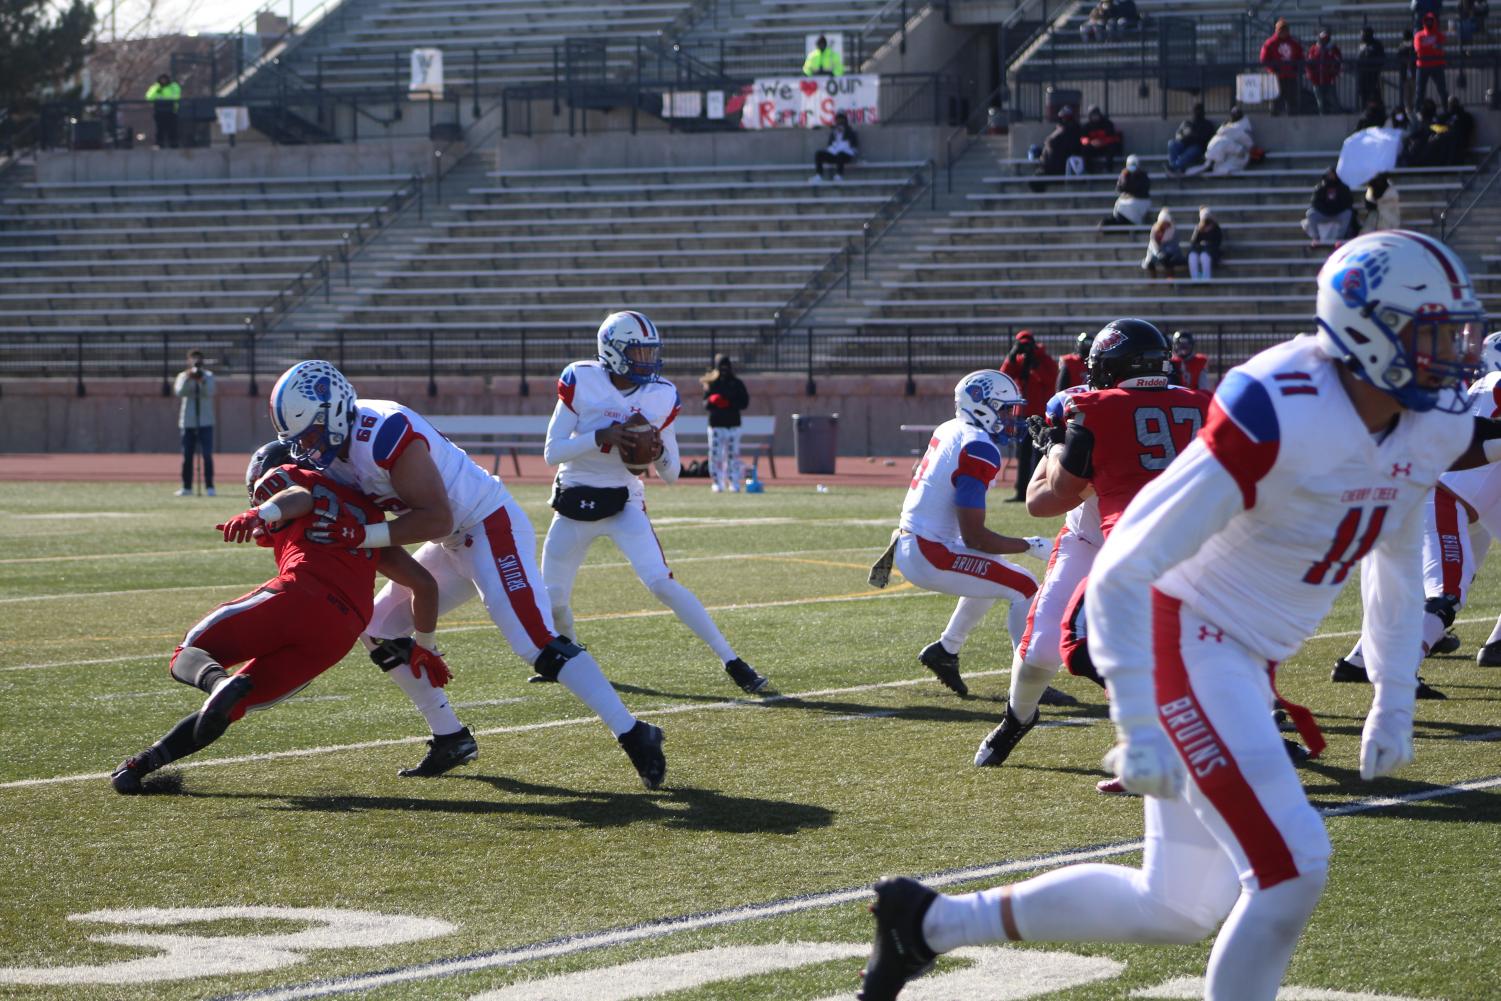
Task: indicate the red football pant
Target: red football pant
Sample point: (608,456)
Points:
(286,632)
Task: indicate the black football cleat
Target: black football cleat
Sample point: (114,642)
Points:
(1053,697)
(745,676)
(1344,671)
(1447,643)
(213,718)
(945,665)
(1427,691)
(127,777)
(444,753)
(643,745)
(1000,742)
(1284,723)
(899,953)
(1296,752)
(1489,655)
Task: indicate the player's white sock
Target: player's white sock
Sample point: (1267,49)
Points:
(1495,633)
(1016,622)
(1433,630)
(1096,903)
(967,615)
(582,676)
(1028,682)
(431,702)
(1251,954)
(968,919)
(691,612)
(1355,656)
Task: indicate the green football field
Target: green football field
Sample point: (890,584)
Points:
(290,861)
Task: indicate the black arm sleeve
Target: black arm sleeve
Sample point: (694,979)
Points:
(1078,450)
(739,395)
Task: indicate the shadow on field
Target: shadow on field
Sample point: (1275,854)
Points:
(679,808)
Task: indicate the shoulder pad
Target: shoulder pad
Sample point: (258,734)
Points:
(390,438)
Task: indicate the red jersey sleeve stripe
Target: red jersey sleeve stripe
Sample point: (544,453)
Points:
(1242,432)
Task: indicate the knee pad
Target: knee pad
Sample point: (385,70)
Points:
(1444,607)
(390,654)
(193,666)
(551,661)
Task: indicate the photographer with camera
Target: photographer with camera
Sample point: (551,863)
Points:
(195,421)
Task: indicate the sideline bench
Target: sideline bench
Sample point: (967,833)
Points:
(510,433)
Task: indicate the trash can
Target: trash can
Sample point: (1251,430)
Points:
(815,439)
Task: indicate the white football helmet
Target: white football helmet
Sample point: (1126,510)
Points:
(1390,304)
(312,409)
(991,402)
(630,346)
(1490,354)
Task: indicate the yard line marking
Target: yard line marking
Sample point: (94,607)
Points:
(903,590)
(126,556)
(134,695)
(687,707)
(588,566)
(663,927)
(1356,632)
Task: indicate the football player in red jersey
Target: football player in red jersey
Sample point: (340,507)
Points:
(296,625)
(1115,438)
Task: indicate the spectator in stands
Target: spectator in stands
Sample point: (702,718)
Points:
(1282,55)
(1133,190)
(843,147)
(823,60)
(1163,248)
(1097,23)
(1417,137)
(1383,209)
(164,96)
(1330,211)
(1036,374)
(1324,63)
(1230,149)
(1186,366)
(1186,148)
(1125,17)
(1374,116)
(1101,142)
(1073,368)
(1428,55)
(1059,147)
(1370,59)
(1406,60)
(1205,246)
(195,421)
(1472,15)
(1460,134)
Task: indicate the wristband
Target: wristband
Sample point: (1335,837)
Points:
(269,512)
(377,536)
(428,641)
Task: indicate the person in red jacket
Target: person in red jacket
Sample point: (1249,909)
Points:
(1036,374)
(1282,55)
(1428,50)
(1324,63)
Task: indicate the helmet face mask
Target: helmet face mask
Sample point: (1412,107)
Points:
(990,401)
(1399,311)
(630,347)
(312,409)
(270,456)
(1130,354)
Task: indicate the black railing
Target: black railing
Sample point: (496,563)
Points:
(1470,194)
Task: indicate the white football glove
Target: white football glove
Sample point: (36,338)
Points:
(1385,742)
(1146,762)
(1039,547)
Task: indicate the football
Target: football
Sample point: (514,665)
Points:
(640,445)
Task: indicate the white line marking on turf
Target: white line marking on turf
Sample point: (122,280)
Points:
(117,594)
(74,515)
(133,695)
(752,912)
(690,707)
(120,557)
(489,702)
(159,655)
(1351,634)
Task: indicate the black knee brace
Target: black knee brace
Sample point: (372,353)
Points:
(1445,606)
(195,667)
(554,656)
(391,654)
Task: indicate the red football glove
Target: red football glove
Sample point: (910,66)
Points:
(243,527)
(344,531)
(718,400)
(423,659)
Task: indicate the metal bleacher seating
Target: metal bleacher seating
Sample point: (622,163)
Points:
(531,260)
(140,268)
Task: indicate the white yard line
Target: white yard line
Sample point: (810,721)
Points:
(691,707)
(754,912)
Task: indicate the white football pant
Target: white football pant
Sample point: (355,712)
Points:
(979,579)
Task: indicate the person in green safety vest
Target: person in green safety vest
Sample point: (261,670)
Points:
(164,95)
(822,60)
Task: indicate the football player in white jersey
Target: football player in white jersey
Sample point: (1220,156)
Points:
(943,544)
(596,494)
(1463,515)
(477,540)
(1219,568)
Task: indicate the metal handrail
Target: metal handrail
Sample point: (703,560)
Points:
(840,265)
(1491,162)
